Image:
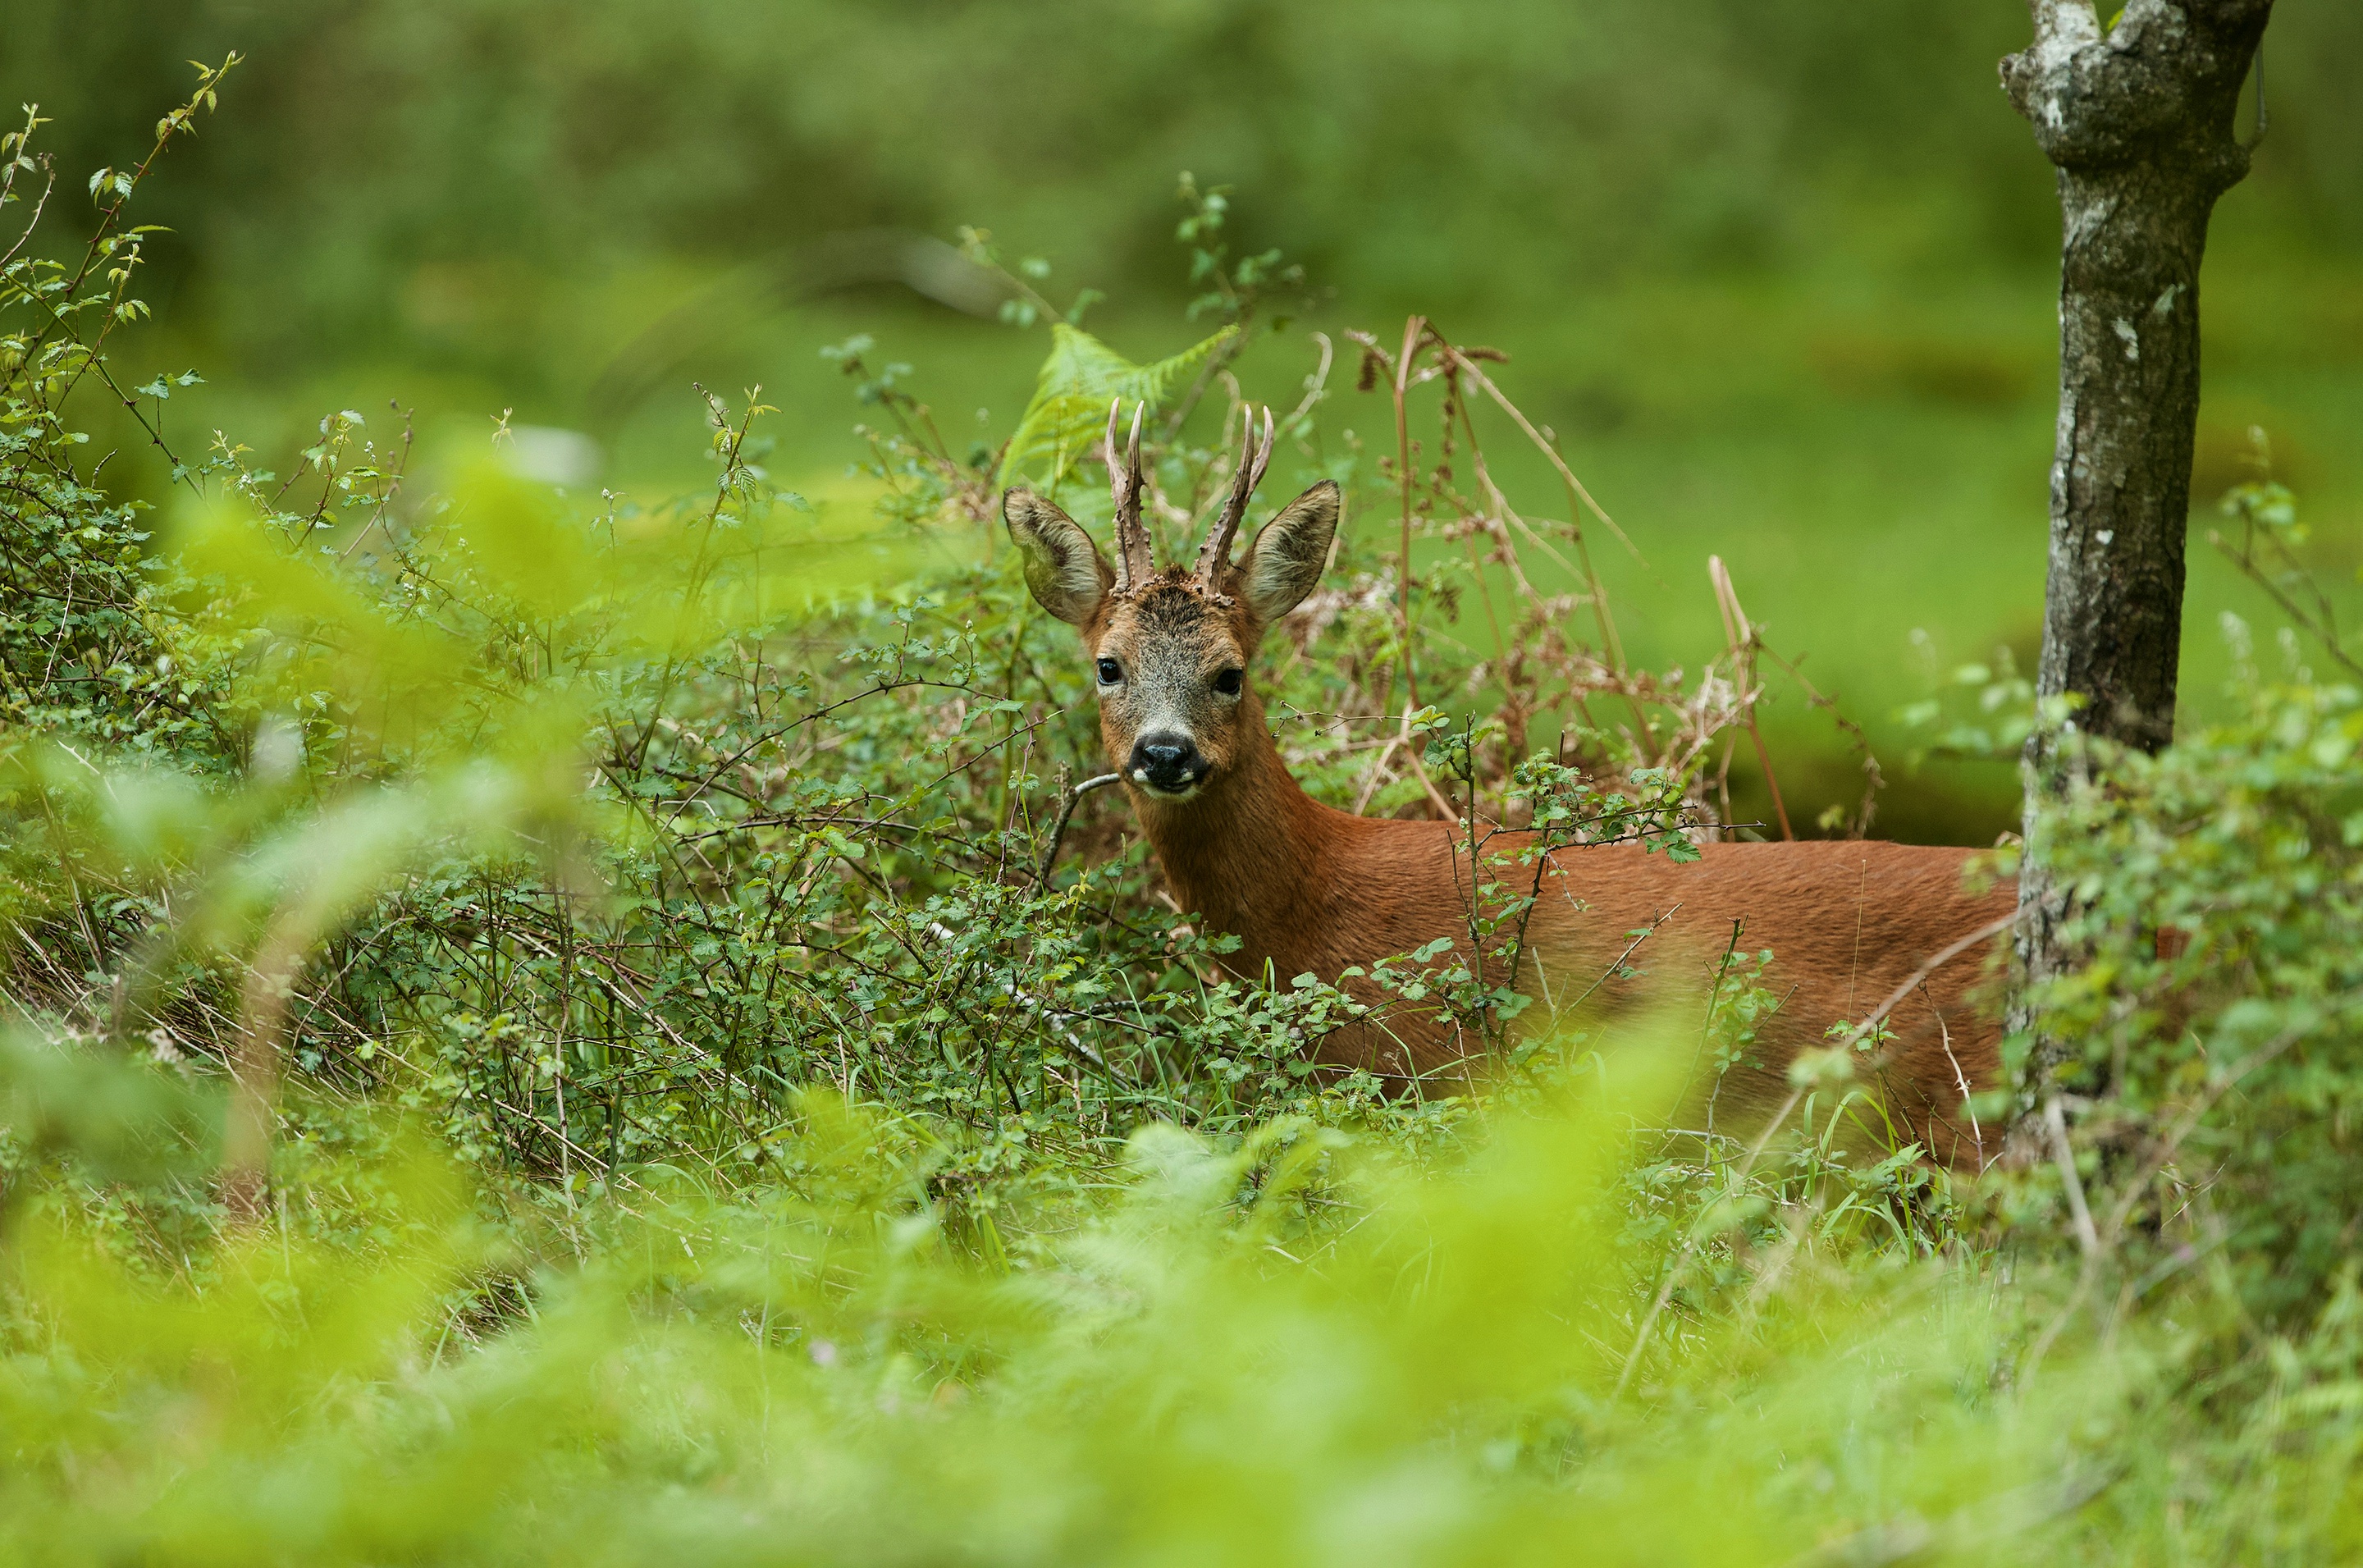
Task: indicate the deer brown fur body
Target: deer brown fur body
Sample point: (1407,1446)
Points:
(1310,889)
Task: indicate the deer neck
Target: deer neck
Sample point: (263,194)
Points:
(1247,854)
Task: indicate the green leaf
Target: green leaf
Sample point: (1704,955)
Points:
(1073,391)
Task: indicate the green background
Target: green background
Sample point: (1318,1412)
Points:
(1782,276)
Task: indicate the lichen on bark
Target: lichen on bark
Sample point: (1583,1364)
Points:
(2139,119)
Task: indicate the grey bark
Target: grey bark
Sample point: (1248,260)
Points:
(2139,121)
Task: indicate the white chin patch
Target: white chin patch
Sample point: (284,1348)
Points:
(1161,793)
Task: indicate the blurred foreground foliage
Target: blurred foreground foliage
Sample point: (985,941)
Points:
(1207,1370)
(544,1025)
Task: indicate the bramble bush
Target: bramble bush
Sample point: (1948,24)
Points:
(550,1022)
(594,831)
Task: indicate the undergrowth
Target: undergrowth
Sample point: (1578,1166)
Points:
(545,1023)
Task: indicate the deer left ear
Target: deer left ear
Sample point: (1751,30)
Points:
(1286,559)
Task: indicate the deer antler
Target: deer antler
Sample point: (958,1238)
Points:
(1135,563)
(1215,553)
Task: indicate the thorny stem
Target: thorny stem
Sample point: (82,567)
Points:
(41,203)
(729,444)
(1577,497)
(1413,331)
(1464,366)
(2081,1213)
(254,1067)
(1873,779)
(2320,622)
(1740,637)
(1541,849)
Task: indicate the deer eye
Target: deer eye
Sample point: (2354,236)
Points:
(1228,682)
(1110,672)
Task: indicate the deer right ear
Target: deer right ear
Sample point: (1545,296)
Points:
(1063,568)
(1287,557)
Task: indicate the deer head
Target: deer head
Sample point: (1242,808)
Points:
(1170,648)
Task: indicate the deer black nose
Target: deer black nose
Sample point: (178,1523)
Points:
(1166,762)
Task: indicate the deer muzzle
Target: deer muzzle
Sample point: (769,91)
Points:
(1166,763)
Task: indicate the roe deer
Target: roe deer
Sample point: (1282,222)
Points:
(1307,888)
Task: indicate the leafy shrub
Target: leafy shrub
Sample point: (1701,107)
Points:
(2217,887)
(597,832)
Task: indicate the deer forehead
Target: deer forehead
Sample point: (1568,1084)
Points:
(1171,627)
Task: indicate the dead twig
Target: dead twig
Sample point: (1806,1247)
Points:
(1071,799)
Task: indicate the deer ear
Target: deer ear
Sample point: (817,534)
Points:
(1287,557)
(1063,568)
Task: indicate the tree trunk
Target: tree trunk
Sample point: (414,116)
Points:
(2139,121)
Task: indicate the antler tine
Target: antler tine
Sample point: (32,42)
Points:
(1135,561)
(1253,459)
(1118,489)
